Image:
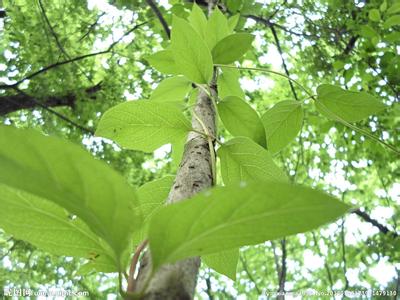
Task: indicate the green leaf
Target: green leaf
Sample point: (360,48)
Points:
(173,89)
(374,15)
(224,262)
(282,123)
(232,22)
(228,217)
(228,83)
(232,48)
(152,197)
(198,20)
(65,174)
(193,58)
(392,21)
(350,106)
(48,226)
(240,119)
(143,125)
(234,5)
(368,32)
(395,8)
(217,28)
(164,62)
(244,160)
(99,264)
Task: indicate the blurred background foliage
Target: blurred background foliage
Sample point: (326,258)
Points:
(87,56)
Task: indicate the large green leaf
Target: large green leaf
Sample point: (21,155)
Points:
(48,226)
(224,262)
(231,48)
(173,89)
(198,20)
(191,54)
(143,125)
(228,217)
(164,62)
(350,106)
(240,119)
(217,28)
(228,83)
(244,160)
(282,124)
(67,175)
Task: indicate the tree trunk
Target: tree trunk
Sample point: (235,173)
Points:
(178,280)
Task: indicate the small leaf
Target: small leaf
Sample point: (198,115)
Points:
(282,123)
(395,8)
(173,89)
(193,58)
(228,83)
(229,217)
(244,160)
(48,226)
(374,15)
(232,22)
(392,21)
(217,28)
(224,262)
(198,20)
(164,62)
(232,48)
(65,174)
(240,119)
(347,105)
(143,125)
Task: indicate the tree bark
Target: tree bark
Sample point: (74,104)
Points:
(178,280)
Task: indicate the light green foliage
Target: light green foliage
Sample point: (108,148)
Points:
(55,231)
(228,84)
(198,20)
(233,21)
(232,48)
(226,217)
(374,15)
(193,58)
(173,89)
(63,173)
(217,28)
(164,62)
(282,123)
(143,125)
(244,160)
(224,262)
(240,119)
(152,196)
(350,106)
(392,21)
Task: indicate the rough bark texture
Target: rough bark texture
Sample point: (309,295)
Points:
(178,280)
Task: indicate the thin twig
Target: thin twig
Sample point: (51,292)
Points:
(246,269)
(160,17)
(77,58)
(132,269)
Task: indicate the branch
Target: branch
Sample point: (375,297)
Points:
(12,103)
(38,103)
(382,228)
(92,26)
(278,45)
(282,275)
(58,64)
(328,270)
(160,17)
(246,269)
(350,45)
